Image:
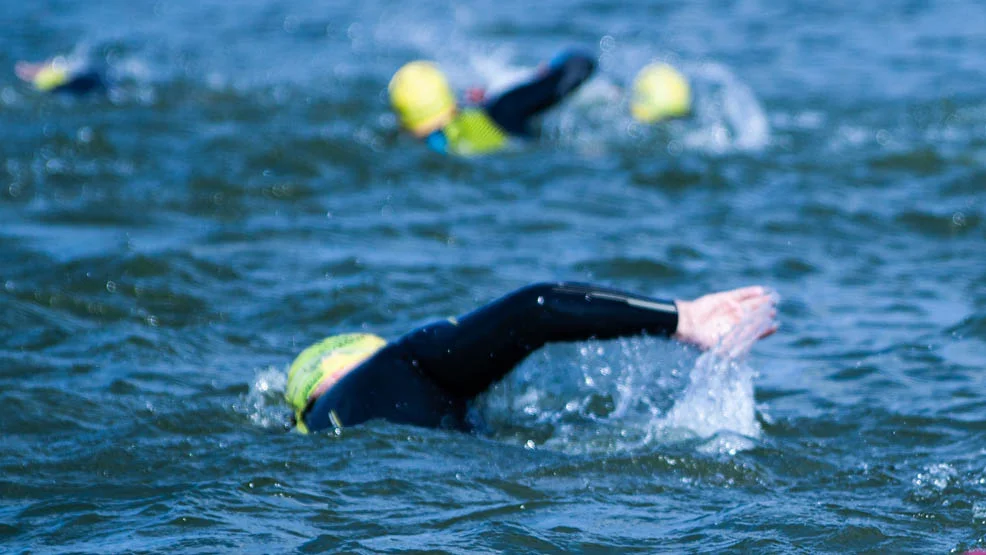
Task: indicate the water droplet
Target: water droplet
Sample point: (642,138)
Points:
(111,286)
(529,444)
(290,24)
(8,96)
(958,219)
(54,165)
(355,33)
(540,300)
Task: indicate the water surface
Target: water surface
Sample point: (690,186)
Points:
(242,192)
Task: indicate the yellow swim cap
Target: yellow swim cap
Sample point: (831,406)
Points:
(422,98)
(326,359)
(660,92)
(51,76)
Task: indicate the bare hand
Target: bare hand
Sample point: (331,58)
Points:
(706,320)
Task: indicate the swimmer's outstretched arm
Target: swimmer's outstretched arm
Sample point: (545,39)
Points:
(467,355)
(513,109)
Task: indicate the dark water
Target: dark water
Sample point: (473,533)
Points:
(242,192)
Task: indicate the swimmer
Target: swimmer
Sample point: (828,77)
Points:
(429,376)
(660,93)
(60,75)
(427,108)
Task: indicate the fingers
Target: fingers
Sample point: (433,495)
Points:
(744,293)
(751,318)
(769,331)
(736,295)
(755,303)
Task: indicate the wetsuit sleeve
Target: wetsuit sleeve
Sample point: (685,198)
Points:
(467,355)
(84,81)
(513,109)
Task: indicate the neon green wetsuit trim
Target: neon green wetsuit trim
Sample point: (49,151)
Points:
(473,132)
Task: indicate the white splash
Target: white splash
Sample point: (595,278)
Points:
(719,402)
(623,402)
(495,72)
(933,481)
(979,511)
(264,404)
(728,113)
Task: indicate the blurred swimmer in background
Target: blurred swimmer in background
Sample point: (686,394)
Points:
(427,108)
(722,112)
(429,376)
(63,75)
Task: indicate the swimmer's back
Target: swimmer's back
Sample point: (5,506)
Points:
(387,386)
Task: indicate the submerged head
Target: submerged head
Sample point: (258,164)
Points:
(660,92)
(45,76)
(323,364)
(422,98)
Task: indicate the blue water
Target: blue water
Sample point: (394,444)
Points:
(242,191)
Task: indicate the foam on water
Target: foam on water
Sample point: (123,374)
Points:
(264,404)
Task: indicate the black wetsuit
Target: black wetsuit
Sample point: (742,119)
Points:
(85,81)
(514,109)
(428,376)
